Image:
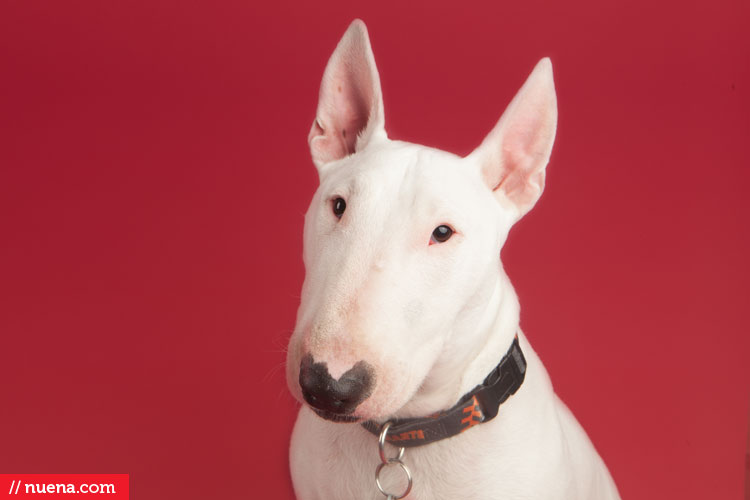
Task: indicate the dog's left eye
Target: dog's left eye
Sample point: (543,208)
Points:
(339,205)
(441,234)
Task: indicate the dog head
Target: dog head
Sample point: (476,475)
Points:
(402,243)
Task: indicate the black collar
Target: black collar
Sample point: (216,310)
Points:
(479,405)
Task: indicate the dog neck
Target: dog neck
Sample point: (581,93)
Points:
(490,335)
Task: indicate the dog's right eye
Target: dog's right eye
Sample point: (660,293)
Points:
(339,206)
(441,234)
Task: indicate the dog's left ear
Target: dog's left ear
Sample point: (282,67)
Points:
(350,104)
(514,155)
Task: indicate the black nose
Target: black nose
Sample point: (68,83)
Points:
(337,397)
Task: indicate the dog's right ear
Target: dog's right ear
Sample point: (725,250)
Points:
(350,104)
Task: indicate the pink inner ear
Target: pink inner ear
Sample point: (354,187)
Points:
(522,187)
(324,146)
(352,98)
(522,158)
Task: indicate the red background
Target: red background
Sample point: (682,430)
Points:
(154,172)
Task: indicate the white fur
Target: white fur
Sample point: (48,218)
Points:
(432,320)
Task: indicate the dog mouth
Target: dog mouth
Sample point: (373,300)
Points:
(335,417)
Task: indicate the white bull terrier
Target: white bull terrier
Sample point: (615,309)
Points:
(408,317)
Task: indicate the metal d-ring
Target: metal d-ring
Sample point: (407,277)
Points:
(381,447)
(385,461)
